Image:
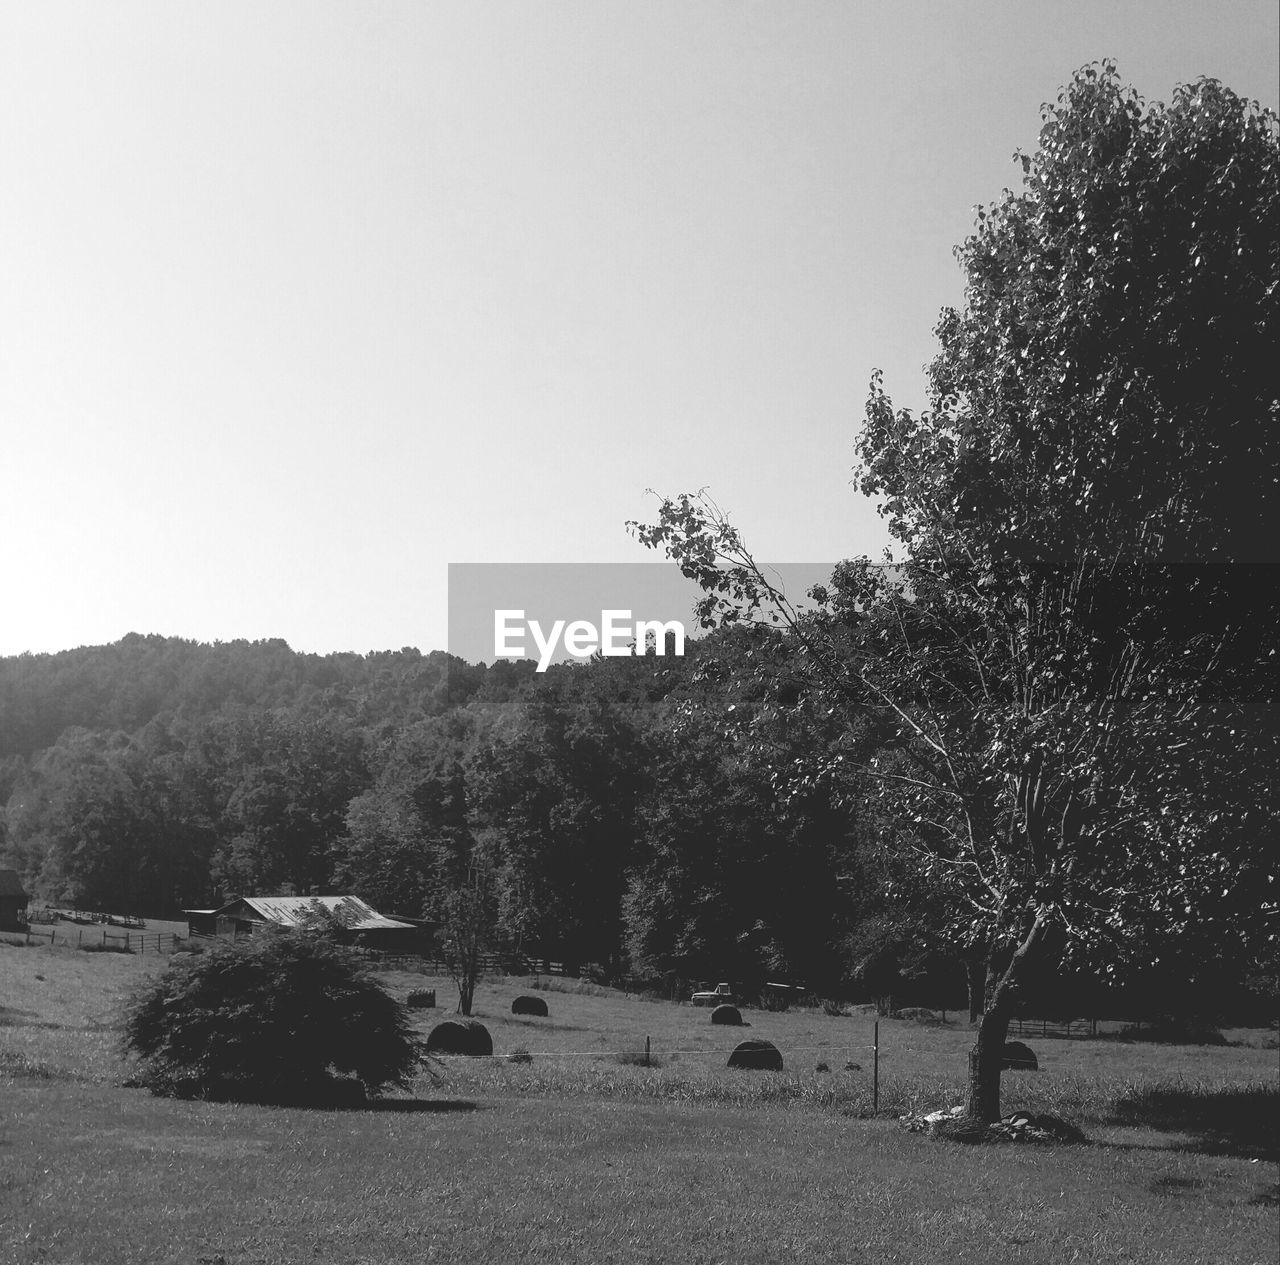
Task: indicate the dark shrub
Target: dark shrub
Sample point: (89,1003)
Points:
(529,1006)
(280,1017)
(421,999)
(460,1036)
(1017,1057)
(757,1055)
(730,1015)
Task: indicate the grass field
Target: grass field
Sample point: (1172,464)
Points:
(580,1155)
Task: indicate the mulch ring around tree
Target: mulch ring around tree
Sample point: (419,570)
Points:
(1021,1126)
(460,1036)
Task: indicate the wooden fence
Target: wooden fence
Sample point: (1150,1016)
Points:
(82,917)
(1054,1027)
(102,937)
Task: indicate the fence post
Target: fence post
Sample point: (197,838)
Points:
(79,937)
(646,1051)
(875,1069)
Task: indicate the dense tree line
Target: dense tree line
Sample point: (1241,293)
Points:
(617,806)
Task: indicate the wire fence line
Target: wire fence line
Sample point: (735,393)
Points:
(663,1053)
(648,1055)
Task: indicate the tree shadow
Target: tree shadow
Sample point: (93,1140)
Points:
(12,1017)
(543,1023)
(1241,1120)
(339,1095)
(413,1106)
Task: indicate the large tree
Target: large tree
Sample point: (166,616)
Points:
(1075,670)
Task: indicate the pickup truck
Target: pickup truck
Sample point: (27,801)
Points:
(721,995)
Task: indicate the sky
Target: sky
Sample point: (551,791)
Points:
(301,303)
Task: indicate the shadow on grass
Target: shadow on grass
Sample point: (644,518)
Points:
(1165,1034)
(544,1023)
(330,1102)
(414,1106)
(1242,1120)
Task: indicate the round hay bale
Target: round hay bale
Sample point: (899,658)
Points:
(756,1056)
(529,1006)
(727,1014)
(460,1036)
(1016,1057)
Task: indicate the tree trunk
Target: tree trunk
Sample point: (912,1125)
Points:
(987,1056)
(986,1061)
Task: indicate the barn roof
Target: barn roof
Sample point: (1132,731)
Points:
(11,884)
(290,911)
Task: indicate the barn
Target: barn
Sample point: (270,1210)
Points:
(363,924)
(13,901)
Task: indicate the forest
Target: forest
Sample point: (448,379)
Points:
(654,821)
(621,819)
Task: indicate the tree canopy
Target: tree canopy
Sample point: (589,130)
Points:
(1109,382)
(1073,664)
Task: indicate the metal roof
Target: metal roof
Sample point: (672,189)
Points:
(289,911)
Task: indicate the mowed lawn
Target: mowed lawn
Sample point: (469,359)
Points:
(579,1157)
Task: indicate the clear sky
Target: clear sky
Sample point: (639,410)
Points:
(301,302)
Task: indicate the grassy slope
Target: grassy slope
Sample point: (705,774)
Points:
(582,1159)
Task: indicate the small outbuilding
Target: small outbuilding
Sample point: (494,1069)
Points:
(247,914)
(13,901)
